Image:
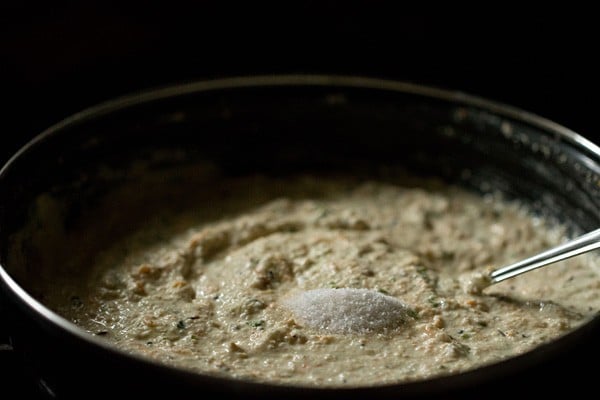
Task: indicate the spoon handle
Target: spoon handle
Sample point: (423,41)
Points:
(582,244)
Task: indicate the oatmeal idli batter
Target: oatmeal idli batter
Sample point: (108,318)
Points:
(264,288)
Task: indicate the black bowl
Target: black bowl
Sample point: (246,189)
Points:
(273,125)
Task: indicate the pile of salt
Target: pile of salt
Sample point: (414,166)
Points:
(347,310)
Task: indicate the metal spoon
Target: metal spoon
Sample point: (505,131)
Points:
(582,244)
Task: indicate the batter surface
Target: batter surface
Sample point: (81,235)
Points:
(230,288)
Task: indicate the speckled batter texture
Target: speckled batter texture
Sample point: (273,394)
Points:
(208,294)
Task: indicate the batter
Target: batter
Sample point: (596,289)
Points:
(263,289)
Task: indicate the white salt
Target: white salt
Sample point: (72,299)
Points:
(347,310)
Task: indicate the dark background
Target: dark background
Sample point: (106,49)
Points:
(58,58)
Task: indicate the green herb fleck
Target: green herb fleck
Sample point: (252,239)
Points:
(181,324)
(424,273)
(257,323)
(380,290)
(433,301)
(322,213)
(412,313)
